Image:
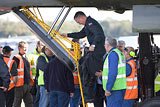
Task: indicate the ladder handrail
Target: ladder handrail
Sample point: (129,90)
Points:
(55,35)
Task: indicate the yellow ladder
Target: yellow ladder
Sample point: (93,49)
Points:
(32,16)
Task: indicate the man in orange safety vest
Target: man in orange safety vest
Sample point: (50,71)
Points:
(25,80)
(14,75)
(131,93)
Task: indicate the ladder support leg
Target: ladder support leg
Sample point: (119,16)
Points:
(54,23)
(59,26)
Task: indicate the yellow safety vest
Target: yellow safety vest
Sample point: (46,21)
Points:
(120,82)
(157,83)
(32,58)
(40,78)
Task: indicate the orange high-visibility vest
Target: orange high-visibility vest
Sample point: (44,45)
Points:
(75,75)
(9,62)
(132,82)
(76,80)
(20,70)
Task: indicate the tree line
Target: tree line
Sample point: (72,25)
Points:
(111,28)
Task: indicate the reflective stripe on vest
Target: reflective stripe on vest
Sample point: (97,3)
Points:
(9,63)
(75,74)
(119,65)
(133,87)
(34,77)
(76,80)
(132,82)
(20,70)
(120,82)
(41,74)
(40,78)
(118,76)
(12,84)
(33,66)
(32,58)
(21,76)
(131,79)
(157,83)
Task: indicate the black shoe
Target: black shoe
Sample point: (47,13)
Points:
(89,100)
(80,103)
(86,101)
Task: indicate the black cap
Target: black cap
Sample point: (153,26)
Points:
(7,49)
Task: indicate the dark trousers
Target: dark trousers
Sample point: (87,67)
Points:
(2,98)
(23,92)
(9,97)
(100,96)
(37,97)
(59,99)
(91,64)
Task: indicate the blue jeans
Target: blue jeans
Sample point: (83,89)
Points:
(75,99)
(44,97)
(116,98)
(128,103)
(37,97)
(59,99)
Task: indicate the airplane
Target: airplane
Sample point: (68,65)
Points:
(146,15)
(117,5)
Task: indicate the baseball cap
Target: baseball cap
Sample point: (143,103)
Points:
(7,49)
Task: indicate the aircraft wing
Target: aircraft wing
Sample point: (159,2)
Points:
(6,5)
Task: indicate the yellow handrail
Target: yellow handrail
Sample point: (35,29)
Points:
(40,14)
(55,35)
(58,38)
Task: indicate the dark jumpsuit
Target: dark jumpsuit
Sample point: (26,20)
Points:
(93,61)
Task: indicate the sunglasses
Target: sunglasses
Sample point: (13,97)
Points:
(1,47)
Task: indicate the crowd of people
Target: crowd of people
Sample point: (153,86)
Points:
(107,69)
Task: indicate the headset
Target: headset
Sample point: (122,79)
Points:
(131,53)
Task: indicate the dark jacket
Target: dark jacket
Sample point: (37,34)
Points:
(4,73)
(58,77)
(41,64)
(94,33)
